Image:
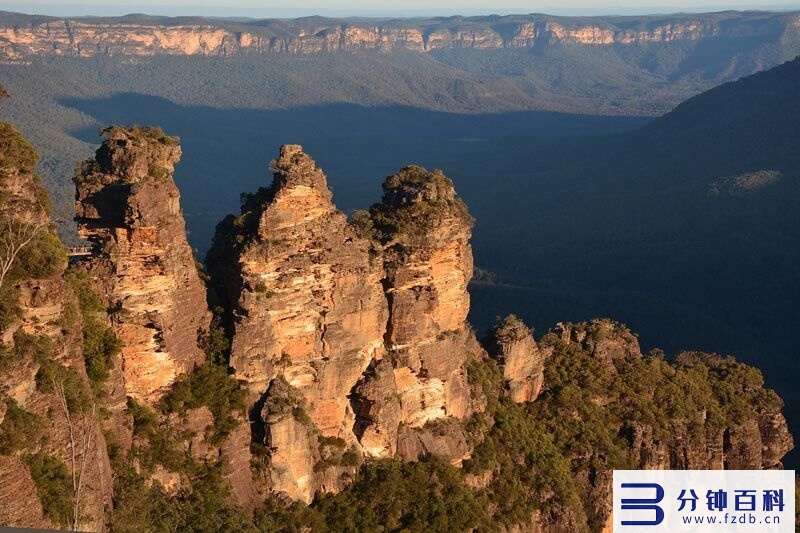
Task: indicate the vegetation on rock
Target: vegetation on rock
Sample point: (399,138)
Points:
(53,486)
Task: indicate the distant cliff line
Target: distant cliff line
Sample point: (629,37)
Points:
(24,36)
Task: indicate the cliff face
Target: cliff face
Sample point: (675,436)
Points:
(308,299)
(42,36)
(128,207)
(370,334)
(49,425)
(425,229)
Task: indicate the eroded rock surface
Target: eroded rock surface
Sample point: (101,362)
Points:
(305,290)
(511,342)
(425,230)
(128,207)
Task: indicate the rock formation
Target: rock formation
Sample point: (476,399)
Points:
(47,412)
(511,342)
(44,36)
(605,339)
(128,208)
(352,339)
(371,333)
(425,230)
(306,292)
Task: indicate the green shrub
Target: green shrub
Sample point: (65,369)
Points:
(205,506)
(428,495)
(19,428)
(361,222)
(100,344)
(53,486)
(148,133)
(43,257)
(211,386)
(26,347)
(52,372)
(216,346)
(88,299)
(156,444)
(9,305)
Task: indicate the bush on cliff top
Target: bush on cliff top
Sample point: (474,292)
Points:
(426,200)
(148,133)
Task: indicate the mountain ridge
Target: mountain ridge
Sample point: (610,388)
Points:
(24,36)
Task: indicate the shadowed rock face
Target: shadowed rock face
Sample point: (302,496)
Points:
(128,207)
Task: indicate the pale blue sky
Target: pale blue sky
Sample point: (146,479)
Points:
(294,8)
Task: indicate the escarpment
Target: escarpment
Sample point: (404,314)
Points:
(51,437)
(44,36)
(128,208)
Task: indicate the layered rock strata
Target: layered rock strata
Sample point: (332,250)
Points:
(306,292)
(365,320)
(129,36)
(425,230)
(127,206)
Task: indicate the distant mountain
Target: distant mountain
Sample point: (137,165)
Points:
(736,127)
(634,65)
(144,35)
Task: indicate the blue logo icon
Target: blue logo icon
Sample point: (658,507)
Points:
(644,504)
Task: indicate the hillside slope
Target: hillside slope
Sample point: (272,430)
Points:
(691,222)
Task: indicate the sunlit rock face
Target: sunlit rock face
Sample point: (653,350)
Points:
(364,319)
(128,207)
(306,292)
(425,230)
(43,36)
(511,342)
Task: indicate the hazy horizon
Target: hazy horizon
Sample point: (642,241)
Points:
(356,8)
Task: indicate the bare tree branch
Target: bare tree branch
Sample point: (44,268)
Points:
(80,436)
